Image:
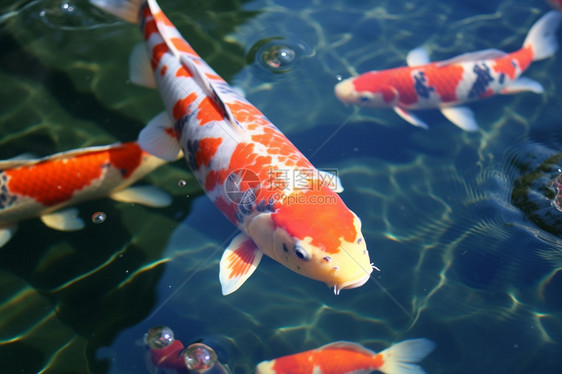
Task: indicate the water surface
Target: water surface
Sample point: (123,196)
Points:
(462,225)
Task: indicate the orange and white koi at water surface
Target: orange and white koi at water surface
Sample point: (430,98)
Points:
(244,163)
(449,84)
(352,358)
(42,187)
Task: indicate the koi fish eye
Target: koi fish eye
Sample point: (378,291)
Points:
(301,253)
(364,98)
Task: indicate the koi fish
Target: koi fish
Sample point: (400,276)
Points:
(247,167)
(351,358)
(42,187)
(449,84)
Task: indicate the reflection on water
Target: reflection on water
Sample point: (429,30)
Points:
(462,225)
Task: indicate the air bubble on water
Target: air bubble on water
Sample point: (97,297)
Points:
(98,217)
(339,77)
(199,358)
(159,337)
(182,183)
(278,56)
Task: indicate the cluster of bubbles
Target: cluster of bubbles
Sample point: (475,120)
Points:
(197,357)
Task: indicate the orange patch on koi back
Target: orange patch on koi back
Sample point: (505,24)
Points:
(215,178)
(247,113)
(157,52)
(149,28)
(278,144)
(297,363)
(382,83)
(206,150)
(161,17)
(181,106)
(183,46)
(378,361)
(311,219)
(183,72)
(244,157)
(524,57)
(208,111)
(214,76)
(163,70)
(127,158)
(54,182)
(445,80)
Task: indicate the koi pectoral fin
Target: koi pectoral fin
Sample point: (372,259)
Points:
(64,220)
(411,118)
(6,233)
(239,260)
(461,116)
(158,138)
(140,71)
(146,195)
(522,84)
(417,57)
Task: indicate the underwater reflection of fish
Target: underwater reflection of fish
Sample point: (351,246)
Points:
(449,84)
(347,358)
(283,205)
(42,187)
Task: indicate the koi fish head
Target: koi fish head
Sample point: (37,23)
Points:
(370,89)
(321,241)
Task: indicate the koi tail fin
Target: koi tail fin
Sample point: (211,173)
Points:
(401,358)
(542,36)
(127,10)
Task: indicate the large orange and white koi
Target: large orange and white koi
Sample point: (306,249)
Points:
(42,187)
(247,167)
(352,358)
(449,84)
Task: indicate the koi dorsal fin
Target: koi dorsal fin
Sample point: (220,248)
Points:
(20,161)
(187,60)
(348,346)
(418,57)
(486,54)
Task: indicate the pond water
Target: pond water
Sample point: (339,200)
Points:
(465,227)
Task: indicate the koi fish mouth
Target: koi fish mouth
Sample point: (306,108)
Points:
(344,91)
(351,284)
